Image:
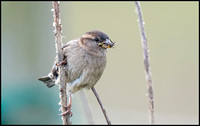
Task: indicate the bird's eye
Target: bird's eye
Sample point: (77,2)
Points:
(96,39)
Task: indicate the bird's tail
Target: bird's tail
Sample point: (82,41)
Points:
(48,81)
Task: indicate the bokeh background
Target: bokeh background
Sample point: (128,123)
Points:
(28,51)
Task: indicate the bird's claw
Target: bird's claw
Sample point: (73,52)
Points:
(66,112)
(64,62)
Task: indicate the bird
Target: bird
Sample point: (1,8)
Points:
(84,62)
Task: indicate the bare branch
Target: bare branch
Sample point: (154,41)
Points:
(102,108)
(146,63)
(61,77)
(86,107)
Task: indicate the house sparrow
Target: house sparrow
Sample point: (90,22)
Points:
(84,61)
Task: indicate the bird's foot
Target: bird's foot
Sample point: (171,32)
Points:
(68,107)
(64,62)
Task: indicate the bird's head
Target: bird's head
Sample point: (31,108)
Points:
(96,40)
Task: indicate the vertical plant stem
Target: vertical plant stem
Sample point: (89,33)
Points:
(61,78)
(102,108)
(146,63)
(86,107)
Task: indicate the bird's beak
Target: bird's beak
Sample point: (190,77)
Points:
(107,44)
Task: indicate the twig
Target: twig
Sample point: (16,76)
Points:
(86,107)
(61,78)
(146,63)
(102,108)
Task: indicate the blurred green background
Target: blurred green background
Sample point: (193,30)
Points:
(28,51)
